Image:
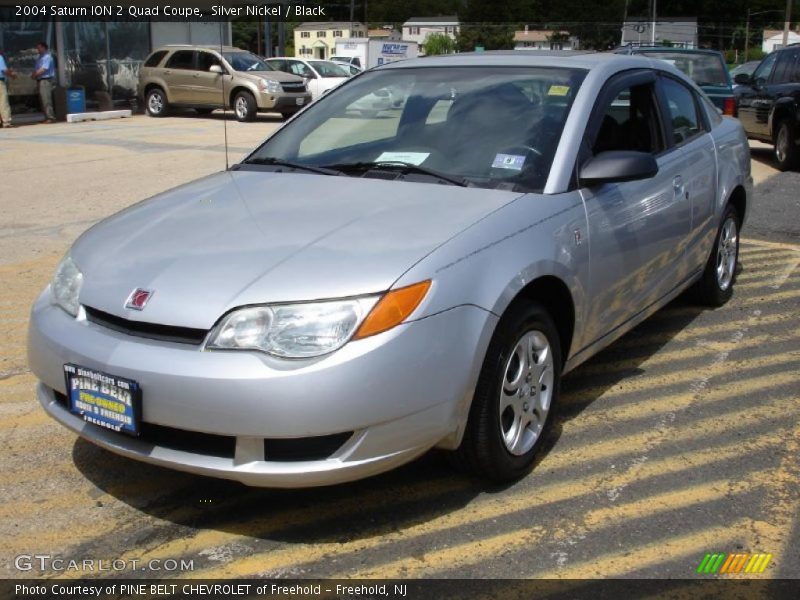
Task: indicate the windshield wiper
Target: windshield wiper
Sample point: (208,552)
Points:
(403,167)
(279,162)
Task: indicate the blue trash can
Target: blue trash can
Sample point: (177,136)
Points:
(76,100)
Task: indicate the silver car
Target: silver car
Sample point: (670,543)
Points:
(360,289)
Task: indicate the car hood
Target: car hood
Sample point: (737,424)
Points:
(276,75)
(249,237)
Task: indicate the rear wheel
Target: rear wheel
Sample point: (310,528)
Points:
(517,388)
(786,154)
(156,103)
(244,105)
(715,287)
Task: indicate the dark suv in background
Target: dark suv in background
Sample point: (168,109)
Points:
(769,104)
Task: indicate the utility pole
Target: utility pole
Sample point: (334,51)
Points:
(747,35)
(653,32)
(786,23)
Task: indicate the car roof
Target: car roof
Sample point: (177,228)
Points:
(199,47)
(675,50)
(569,59)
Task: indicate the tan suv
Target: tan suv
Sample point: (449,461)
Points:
(203,77)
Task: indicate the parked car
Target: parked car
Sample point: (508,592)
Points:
(347,60)
(206,78)
(321,75)
(746,68)
(359,290)
(350,68)
(706,67)
(769,104)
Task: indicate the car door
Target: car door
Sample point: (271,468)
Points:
(637,229)
(691,150)
(179,75)
(753,100)
(208,85)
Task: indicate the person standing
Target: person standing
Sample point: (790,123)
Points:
(44,72)
(5,108)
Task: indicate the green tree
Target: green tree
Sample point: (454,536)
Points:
(439,43)
(490,36)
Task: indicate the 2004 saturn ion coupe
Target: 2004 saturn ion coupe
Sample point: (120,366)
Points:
(361,289)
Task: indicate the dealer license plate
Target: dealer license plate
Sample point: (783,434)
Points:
(104,400)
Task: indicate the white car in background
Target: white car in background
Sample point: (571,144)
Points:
(321,75)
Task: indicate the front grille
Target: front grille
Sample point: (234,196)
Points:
(224,446)
(307,448)
(294,88)
(195,442)
(155,331)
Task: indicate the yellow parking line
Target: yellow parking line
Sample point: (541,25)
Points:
(480,511)
(767,244)
(461,555)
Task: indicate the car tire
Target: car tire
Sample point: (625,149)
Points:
(244,106)
(786,154)
(156,103)
(519,381)
(715,286)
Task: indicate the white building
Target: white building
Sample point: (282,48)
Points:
(318,40)
(417,29)
(544,39)
(773,39)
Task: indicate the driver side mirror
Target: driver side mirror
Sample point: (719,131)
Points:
(742,79)
(616,166)
(215,69)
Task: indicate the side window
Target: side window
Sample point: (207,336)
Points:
(783,68)
(205,60)
(298,68)
(182,59)
(764,70)
(793,75)
(155,58)
(630,122)
(682,117)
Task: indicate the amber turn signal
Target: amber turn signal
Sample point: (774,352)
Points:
(392,309)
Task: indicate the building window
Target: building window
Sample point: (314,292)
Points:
(305,34)
(413,31)
(337,33)
(320,34)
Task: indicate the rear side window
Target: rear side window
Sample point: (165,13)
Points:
(155,58)
(682,118)
(182,59)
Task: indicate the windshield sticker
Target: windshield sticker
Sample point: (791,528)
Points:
(412,158)
(558,90)
(508,161)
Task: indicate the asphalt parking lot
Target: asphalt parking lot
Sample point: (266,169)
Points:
(682,438)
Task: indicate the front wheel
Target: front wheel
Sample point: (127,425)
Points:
(517,388)
(715,287)
(786,154)
(244,105)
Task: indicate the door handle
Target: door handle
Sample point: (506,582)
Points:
(679,188)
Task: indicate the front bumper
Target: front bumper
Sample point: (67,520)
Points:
(283,102)
(400,392)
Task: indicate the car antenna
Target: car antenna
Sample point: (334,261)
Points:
(224,109)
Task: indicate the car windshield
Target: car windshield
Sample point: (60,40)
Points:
(244,61)
(328,69)
(489,127)
(704,69)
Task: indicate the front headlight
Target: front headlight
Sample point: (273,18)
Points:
(315,328)
(292,330)
(269,85)
(66,285)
